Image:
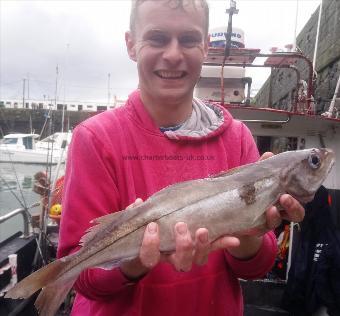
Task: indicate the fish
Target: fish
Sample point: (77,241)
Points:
(230,202)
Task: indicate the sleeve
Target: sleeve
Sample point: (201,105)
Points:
(257,266)
(90,191)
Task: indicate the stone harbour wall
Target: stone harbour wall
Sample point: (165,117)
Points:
(327,62)
(18,120)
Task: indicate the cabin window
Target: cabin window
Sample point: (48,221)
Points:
(41,105)
(276,144)
(10,141)
(2,104)
(28,142)
(90,106)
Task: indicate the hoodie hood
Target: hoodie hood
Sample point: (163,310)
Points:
(206,120)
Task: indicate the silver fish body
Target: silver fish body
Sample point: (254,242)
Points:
(228,203)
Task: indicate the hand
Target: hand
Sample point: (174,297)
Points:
(187,252)
(288,208)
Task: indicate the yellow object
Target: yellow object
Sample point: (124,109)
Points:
(55,209)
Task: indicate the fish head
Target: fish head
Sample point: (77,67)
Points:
(305,171)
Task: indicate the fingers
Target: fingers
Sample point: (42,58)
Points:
(149,252)
(225,242)
(203,247)
(273,219)
(183,257)
(293,210)
(187,252)
(266,155)
(135,203)
(149,255)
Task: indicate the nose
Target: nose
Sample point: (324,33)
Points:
(173,53)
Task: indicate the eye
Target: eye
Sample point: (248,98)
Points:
(158,40)
(189,41)
(314,161)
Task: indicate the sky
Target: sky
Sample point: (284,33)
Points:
(85,41)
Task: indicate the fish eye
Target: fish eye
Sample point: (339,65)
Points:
(314,161)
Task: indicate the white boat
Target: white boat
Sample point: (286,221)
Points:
(25,148)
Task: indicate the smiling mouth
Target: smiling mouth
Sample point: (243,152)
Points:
(166,74)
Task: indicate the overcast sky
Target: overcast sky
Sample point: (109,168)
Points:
(86,40)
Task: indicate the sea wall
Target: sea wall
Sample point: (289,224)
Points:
(21,120)
(327,62)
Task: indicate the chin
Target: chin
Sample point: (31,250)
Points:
(175,95)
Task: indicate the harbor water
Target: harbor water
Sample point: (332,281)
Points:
(16,190)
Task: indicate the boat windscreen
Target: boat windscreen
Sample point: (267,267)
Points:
(9,141)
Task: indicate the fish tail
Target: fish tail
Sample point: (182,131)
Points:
(52,296)
(38,279)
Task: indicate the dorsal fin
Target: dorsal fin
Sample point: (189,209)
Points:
(99,224)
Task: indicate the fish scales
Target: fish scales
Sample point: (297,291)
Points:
(228,203)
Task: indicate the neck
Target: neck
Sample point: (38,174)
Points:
(167,112)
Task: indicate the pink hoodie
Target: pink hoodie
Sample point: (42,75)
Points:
(120,155)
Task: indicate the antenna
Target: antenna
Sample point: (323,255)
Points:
(317,35)
(296,19)
(232,10)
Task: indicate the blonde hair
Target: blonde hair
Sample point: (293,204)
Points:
(172,4)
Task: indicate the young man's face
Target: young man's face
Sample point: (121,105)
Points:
(169,46)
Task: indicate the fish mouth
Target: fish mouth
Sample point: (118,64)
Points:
(170,74)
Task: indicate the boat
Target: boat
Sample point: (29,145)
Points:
(273,130)
(26,148)
(298,126)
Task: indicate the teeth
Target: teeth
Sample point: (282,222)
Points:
(170,74)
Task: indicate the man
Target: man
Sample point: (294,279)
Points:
(160,137)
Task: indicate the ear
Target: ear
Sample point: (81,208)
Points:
(130,45)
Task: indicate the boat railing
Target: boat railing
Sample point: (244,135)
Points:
(26,217)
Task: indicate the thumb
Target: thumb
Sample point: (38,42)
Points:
(266,155)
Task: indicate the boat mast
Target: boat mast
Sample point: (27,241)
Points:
(23,93)
(108,89)
(28,85)
(56,87)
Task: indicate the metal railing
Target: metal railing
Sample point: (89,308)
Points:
(26,217)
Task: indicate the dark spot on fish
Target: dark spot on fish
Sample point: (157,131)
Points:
(247,193)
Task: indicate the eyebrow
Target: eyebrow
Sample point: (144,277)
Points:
(185,32)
